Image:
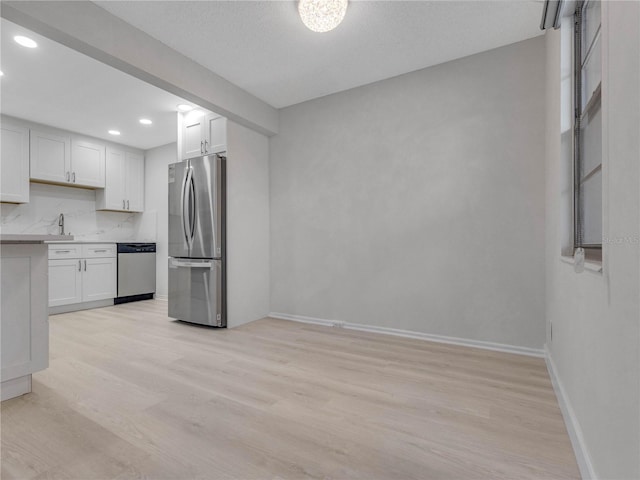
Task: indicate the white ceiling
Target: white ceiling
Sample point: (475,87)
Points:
(264,48)
(57,86)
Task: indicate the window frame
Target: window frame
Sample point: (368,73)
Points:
(592,251)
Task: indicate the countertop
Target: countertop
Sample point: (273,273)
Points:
(32,238)
(79,241)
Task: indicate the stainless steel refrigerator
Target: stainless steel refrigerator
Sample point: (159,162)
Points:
(197,292)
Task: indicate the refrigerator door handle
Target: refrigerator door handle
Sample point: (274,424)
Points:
(192,205)
(186,224)
(177,263)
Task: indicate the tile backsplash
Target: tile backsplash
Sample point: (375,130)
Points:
(82,220)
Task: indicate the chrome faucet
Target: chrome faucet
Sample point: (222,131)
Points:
(61,224)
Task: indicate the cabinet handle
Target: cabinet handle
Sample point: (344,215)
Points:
(205,146)
(68,178)
(74,177)
(201,147)
(85,265)
(128,205)
(99,251)
(124,205)
(79,265)
(62,251)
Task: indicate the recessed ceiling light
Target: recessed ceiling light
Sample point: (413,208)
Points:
(145,121)
(183,107)
(1,73)
(25,41)
(114,132)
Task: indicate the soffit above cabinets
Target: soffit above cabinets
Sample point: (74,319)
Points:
(57,86)
(264,48)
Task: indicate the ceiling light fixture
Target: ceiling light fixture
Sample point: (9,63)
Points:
(25,41)
(1,73)
(322,15)
(145,121)
(183,107)
(114,132)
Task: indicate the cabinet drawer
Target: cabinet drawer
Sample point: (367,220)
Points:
(99,250)
(65,250)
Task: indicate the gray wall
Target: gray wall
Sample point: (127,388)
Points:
(417,202)
(596,316)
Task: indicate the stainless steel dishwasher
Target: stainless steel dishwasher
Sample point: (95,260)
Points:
(136,272)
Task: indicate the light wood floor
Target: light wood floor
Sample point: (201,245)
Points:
(131,394)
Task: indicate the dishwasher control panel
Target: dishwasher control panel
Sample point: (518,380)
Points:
(136,247)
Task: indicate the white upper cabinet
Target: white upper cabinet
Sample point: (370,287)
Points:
(134,181)
(192,136)
(14,163)
(113,195)
(50,157)
(88,162)
(124,182)
(202,135)
(215,134)
(65,160)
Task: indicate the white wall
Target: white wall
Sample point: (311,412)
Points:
(157,207)
(247,225)
(596,316)
(418,202)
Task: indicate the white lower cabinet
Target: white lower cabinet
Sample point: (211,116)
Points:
(89,273)
(65,282)
(99,279)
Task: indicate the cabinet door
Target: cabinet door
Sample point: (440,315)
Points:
(134,181)
(215,134)
(193,136)
(113,196)
(87,163)
(65,282)
(14,163)
(50,157)
(99,279)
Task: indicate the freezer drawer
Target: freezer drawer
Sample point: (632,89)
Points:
(195,291)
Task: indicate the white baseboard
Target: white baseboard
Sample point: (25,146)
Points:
(74,307)
(499,347)
(573,426)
